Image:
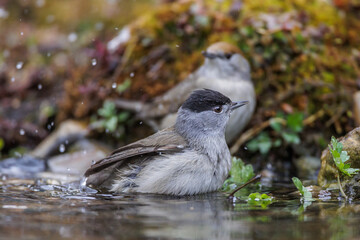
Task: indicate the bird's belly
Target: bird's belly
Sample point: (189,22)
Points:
(185,173)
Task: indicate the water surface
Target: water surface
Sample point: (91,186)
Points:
(40,209)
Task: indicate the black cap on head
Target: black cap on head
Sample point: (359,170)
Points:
(204,100)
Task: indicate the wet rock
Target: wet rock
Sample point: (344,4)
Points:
(68,132)
(80,158)
(352,188)
(328,170)
(23,167)
(356,99)
(307,167)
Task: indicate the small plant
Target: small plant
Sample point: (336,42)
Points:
(263,143)
(2,145)
(110,120)
(124,86)
(287,129)
(340,157)
(239,174)
(259,199)
(305,193)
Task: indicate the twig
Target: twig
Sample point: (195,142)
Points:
(312,118)
(125,58)
(254,179)
(340,187)
(252,132)
(248,135)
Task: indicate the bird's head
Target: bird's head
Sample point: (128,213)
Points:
(205,112)
(226,57)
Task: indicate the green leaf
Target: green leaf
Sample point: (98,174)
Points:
(343,156)
(295,121)
(258,199)
(108,109)
(340,157)
(122,117)
(2,144)
(277,143)
(290,137)
(303,190)
(275,124)
(123,86)
(262,143)
(351,171)
(111,124)
(239,174)
(297,183)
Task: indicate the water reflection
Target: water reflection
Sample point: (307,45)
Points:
(30,209)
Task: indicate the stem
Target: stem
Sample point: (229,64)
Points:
(341,189)
(254,179)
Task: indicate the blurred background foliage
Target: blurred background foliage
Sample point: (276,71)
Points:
(55,64)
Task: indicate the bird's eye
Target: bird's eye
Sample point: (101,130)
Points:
(228,55)
(218,109)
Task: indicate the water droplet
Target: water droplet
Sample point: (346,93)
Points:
(83,183)
(39,86)
(17,154)
(62,148)
(22,132)
(114,85)
(3,13)
(245,148)
(52,124)
(40,3)
(50,18)
(6,53)
(132,74)
(19,65)
(140,123)
(72,37)
(99,26)
(93,62)
(12,79)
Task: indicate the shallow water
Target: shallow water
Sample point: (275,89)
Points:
(42,210)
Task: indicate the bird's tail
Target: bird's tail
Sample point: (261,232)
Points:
(134,106)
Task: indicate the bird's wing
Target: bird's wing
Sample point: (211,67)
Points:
(162,142)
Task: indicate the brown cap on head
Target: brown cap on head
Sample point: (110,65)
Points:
(223,47)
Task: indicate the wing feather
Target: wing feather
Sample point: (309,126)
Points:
(162,142)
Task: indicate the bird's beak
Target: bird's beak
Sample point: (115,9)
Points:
(235,105)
